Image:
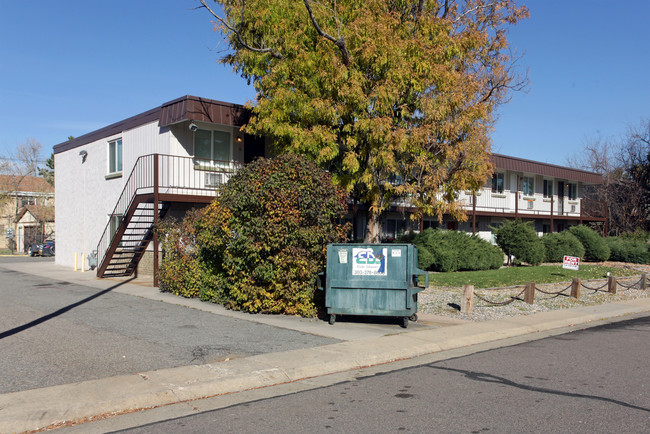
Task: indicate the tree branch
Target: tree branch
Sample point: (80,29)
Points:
(469,11)
(444,14)
(340,42)
(237,33)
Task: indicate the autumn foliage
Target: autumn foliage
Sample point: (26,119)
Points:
(260,245)
(395,98)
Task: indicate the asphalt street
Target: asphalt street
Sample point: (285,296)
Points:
(54,332)
(593,380)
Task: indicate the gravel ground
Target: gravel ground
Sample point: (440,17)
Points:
(446,301)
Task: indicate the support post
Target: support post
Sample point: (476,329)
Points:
(611,284)
(75,261)
(467,300)
(473,213)
(155,219)
(529,294)
(82,262)
(552,200)
(644,282)
(575,287)
(517,202)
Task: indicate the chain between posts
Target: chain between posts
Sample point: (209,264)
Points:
(632,285)
(640,283)
(500,303)
(550,292)
(595,289)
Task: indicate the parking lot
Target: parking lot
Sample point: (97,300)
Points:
(55,332)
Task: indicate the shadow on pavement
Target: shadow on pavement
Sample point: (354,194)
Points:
(61,311)
(489,378)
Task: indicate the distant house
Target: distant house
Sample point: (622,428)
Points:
(114,183)
(17,195)
(35,224)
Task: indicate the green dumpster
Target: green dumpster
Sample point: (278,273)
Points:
(372,279)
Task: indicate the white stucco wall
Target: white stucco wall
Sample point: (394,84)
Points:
(84,197)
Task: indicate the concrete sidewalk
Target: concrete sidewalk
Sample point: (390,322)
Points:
(39,408)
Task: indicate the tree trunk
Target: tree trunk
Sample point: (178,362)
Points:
(373,228)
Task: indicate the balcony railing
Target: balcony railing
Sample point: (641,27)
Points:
(168,175)
(508,202)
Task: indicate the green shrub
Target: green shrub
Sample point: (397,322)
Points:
(638,235)
(557,245)
(520,240)
(455,251)
(264,238)
(625,249)
(596,248)
(181,271)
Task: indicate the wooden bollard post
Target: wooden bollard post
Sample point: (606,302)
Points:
(644,282)
(575,287)
(529,294)
(467,300)
(611,284)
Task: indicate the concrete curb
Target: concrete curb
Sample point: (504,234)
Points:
(40,408)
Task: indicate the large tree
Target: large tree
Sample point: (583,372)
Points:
(394,98)
(625,166)
(636,161)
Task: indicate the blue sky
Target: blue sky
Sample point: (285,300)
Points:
(68,67)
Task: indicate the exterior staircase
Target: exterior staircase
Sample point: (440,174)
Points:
(155,184)
(136,229)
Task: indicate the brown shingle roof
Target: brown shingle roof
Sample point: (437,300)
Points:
(551,170)
(27,184)
(42,213)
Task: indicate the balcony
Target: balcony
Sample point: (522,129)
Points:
(512,204)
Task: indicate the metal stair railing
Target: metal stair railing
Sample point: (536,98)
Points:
(139,178)
(174,175)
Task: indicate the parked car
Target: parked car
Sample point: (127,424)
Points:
(45,249)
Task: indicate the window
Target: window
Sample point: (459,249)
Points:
(572,191)
(212,145)
(497,183)
(115,222)
(28,201)
(396,180)
(115,156)
(395,228)
(548,188)
(426,224)
(528,185)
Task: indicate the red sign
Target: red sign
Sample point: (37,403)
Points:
(571,262)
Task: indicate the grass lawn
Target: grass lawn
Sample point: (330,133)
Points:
(520,275)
